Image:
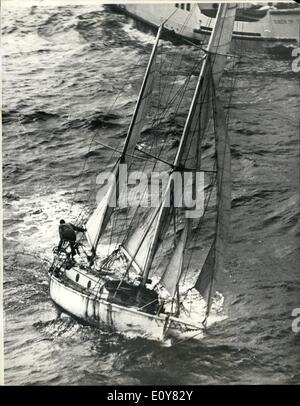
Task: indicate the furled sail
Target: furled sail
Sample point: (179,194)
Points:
(188,154)
(98,221)
(215,260)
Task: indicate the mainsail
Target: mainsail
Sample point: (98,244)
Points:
(189,151)
(98,221)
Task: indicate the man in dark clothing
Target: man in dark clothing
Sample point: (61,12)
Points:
(67,233)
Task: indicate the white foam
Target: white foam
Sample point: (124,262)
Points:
(38,232)
(147,38)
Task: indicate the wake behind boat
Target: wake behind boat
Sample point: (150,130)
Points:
(130,289)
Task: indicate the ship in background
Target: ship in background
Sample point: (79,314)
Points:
(266,27)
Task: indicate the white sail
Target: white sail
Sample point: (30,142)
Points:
(215,260)
(92,224)
(98,221)
(173,272)
(136,247)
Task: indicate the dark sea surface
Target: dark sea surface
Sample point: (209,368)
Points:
(64,69)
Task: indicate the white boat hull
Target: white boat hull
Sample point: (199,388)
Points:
(275,28)
(127,320)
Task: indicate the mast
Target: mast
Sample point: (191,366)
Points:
(98,221)
(210,74)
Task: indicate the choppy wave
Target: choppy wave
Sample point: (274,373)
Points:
(71,74)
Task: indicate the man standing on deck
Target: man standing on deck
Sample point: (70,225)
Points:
(67,233)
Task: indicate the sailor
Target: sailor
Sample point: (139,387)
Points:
(67,234)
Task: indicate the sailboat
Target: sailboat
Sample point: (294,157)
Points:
(118,292)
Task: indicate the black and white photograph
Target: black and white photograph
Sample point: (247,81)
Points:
(150,194)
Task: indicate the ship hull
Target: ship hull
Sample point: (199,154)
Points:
(101,313)
(277,30)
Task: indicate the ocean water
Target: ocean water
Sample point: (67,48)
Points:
(71,73)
